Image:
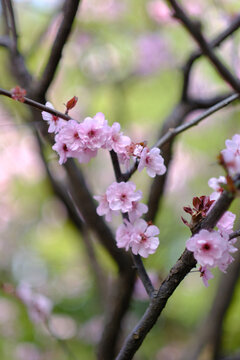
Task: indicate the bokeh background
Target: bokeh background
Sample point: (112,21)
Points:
(123,59)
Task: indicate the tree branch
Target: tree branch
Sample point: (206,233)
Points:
(37,105)
(217,41)
(195,32)
(173,132)
(68,15)
(182,267)
(210,331)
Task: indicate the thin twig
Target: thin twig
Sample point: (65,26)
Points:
(234,235)
(195,32)
(37,105)
(68,15)
(13,24)
(143,275)
(173,132)
(217,41)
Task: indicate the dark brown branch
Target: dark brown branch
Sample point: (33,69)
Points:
(13,27)
(118,303)
(143,275)
(195,32)
(69,12)
(182,267)
(17,61)
(116,166)
(37,105)
(5,17)
(211,330)
(235,24)
(5,41)
(234,234)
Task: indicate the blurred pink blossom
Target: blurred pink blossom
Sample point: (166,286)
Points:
(159,11)
(151,53)
(102,10)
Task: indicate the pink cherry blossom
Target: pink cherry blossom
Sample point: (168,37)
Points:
(94,131)
(153,161)
(225,224)
(226,259)
(159,11)
(84,154)
(55,123)
(215,183)
(140,237)
(151,54)
(138,209)
(62,150)
(117,141)
(138,148)
(231,155)
(103,207)
(207,247)
(124,159)
(205,275)
(122,195)
(143,239)
(123,235)
(69,135)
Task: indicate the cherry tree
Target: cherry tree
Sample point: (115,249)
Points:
(212,239)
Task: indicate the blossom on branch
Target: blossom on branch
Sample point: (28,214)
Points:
(205,274)
(140,236)
(207,247)
(211,249)
(122,195)
(104,208)
(231,155)
(55,123)
(116,140)
(153,161)
(93,132)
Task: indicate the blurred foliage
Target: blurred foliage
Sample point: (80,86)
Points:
(102,65)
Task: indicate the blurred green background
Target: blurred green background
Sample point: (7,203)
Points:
(123,62)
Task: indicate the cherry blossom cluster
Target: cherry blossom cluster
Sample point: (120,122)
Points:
(140,236)
(213,248)
(83,140)
(134,233)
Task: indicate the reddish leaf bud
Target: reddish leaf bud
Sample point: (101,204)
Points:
(188,210)
(185,222)
(71,103)
(18,93)
(196,202)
